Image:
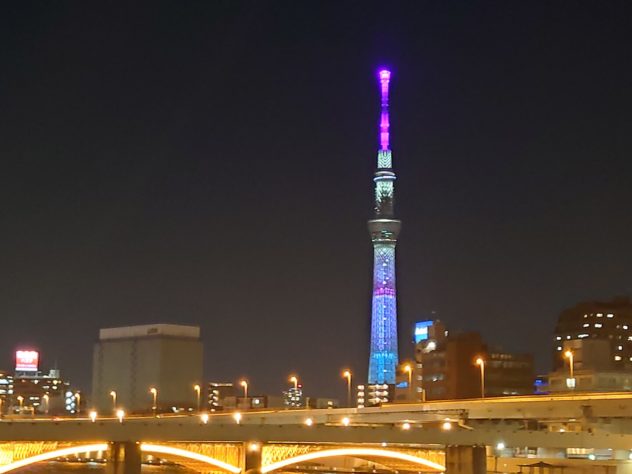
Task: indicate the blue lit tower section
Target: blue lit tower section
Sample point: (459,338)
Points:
(384,229)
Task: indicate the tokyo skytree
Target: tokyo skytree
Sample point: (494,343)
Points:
(384,229)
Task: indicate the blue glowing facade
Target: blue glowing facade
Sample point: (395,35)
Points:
(384,229)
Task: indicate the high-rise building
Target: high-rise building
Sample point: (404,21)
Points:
(129,361)
(6,391)
(43,392)
(601,320)
(449,370)
(293,397)
(384,229)
(218,392)
(428,335)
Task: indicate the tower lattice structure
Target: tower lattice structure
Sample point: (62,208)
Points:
(384,230)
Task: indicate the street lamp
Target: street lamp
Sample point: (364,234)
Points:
(154,393)
(244,383)
(409,370)
(570,383)
(347,374)
(93,416)
(78,399)
(197,389)
(481,363)
(113,395)
(120,414)
(294,380)
(21,402)
(46,399)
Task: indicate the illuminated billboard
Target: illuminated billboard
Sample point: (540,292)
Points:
(26,361)
(421,330)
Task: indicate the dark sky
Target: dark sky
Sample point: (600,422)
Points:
(210,163)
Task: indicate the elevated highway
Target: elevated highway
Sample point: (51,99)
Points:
(552,426)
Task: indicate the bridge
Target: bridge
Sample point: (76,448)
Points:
(456,437)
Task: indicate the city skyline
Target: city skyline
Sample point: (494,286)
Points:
(211,165)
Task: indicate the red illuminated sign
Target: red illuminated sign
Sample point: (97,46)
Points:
(26,361)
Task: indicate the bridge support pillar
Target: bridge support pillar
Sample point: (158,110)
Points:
(252,458)
(465,460)
(124,458)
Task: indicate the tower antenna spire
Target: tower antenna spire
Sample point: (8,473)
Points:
(385,79)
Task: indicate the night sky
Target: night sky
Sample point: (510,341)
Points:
(210,163)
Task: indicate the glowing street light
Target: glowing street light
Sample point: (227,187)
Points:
(309,422)
(237,417)
(113,395)
(21,402)
(294,380)
(346,421)
(244,383)
(204,417)
(481,363)
(154,394)
(93,416)
(46,398)
(406,426)
(409,370)
(347,375)
(197,390)
(571,366)
(78,399)
(120,414)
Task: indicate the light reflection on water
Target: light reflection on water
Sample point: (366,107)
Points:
(93,468)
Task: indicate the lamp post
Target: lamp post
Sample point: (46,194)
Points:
(347,374)
(571,369)
(46,399)
(78,399)
(21,402)
(154,393)
(1,400)
(197,389)
(409,370)
(244,384)
(113,395)
(294,380)
(481,363)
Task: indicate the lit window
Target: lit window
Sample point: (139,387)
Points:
(559,348)
(599,315)
(610,315)
(568,337)
(625,326)
(620,348)
(598,325)
(587,325)
(558,338)
(617,357)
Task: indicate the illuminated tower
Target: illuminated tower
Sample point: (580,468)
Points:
(384,229)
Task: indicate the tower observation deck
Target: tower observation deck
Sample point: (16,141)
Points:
(384,229)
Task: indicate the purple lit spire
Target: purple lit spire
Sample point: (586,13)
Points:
(385,77)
